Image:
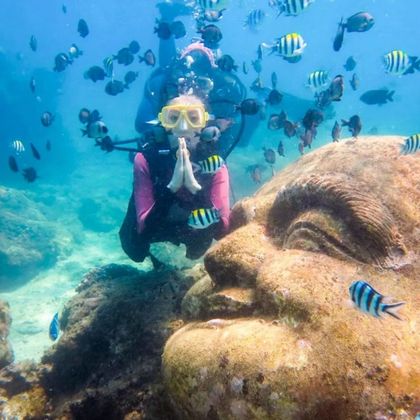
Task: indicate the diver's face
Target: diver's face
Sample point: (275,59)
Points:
(183,128)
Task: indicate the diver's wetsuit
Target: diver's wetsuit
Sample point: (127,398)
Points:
(161,215)
(151,216)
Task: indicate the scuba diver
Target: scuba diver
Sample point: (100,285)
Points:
(171,201)
(187,120)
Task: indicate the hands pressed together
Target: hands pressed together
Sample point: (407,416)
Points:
(183,172)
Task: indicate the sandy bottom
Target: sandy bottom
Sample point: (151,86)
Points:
(34,304)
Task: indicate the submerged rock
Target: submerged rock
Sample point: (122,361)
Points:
(6,352)
(106,363)
(345,212)
(29,242)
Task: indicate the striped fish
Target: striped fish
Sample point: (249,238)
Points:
(210,4)
(255,18)
(369,300)
(294,7)
(203,218)
(411,145)
(318,80)
(289,46)
(398,62)
(18,146)
(211,165)
(109,66)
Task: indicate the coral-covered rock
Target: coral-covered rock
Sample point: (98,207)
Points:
(29,242)
(6,352)
(300,350)
(107,360)
(21,394)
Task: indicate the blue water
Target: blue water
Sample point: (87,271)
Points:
(75,170)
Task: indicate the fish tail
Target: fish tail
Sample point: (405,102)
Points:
(390,96)
(265,45)
(344,123)
(392,309)
(414,64)
(126,85)
(84,131)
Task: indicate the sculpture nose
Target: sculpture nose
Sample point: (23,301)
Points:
(245,257)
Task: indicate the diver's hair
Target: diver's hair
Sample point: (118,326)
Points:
(186,99)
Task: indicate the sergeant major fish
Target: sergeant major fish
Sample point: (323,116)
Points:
(398,63)
(318,80)
(293,7)
(290,47)
(211,165)
(411,145)
(369,300)
(255,18)
(108,63)
(18,146)
(203,218)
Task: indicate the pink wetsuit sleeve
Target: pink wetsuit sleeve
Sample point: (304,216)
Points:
(143,190)
(219,195)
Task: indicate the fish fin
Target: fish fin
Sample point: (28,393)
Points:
(84,131)
(126,86)
(416,63)
(344,123)
(392,309)
(390,96)
(410,70)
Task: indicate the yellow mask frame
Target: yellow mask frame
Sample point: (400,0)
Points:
(194,114)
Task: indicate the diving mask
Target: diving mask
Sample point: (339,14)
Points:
(194,115)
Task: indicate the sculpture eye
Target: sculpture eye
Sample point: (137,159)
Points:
(319,231)
(328,214)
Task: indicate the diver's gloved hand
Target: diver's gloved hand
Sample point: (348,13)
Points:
(178,176)
(189,179)
(183,172)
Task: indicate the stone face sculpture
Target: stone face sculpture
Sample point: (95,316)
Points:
(272,332)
